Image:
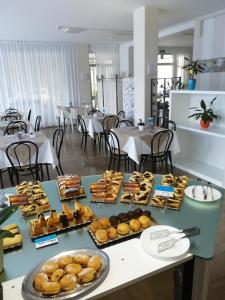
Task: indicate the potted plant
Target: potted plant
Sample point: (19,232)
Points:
(141,125)
(193,68)
(5,213)
(206,115)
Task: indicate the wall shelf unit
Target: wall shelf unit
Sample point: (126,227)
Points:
(202,150)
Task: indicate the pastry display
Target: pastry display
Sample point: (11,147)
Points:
(64,274)
(138,188)
(120,227)
(179,183)
(12,242)
(57,222)
(70,187)
(107,188)
(31,198)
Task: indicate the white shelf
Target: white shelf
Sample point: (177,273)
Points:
(197,92)
(195,127)
(202,170)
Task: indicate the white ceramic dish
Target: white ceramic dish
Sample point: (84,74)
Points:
(151,246)
(211,194)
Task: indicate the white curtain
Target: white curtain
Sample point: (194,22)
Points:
(107,60)
(179,55)
(38,76)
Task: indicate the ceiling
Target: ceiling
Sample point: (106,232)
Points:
(180,39)
(106,21)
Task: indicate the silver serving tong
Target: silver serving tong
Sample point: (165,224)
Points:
(166,232)
(171,243)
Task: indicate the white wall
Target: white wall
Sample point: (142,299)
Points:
(209,43)
(124,58)
(83,73)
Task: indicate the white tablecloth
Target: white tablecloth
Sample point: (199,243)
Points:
(136,142)
(46,151)
(93,124)
(4,124)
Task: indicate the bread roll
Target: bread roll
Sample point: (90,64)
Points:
(39,279)
(68,282)
(64,261)
(81,259)
(49,267)
(123,228)
(101,235)
(51,288)
(57,275)
(73,269)
(95,262)
(145,221)
(87,275)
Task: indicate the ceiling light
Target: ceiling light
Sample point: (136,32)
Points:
(68,29)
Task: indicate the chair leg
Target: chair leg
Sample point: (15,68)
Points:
(85,146)
(1,180)
(82,140)
(118,166)
(10,173)
(47,171)
(57,169)
(141,163)
(110,161)
(171,163)
(60,167)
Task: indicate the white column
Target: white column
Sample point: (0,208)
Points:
(145,58)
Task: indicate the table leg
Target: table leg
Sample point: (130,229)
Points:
(183,278)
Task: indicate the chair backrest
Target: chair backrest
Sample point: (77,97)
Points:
(161,142)
(121,114)
(109,122)
(15,126)
(94,111)
(169,124)
(57,141)
(37,124)
(73,112)
(113,143)
(81,124)
(29,115)
(22,154)
(11,116)
(11,110)
(124,123)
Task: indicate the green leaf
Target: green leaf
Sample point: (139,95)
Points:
(5,213)
(211,103)
(202,104)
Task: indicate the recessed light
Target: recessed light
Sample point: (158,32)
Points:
(70,29)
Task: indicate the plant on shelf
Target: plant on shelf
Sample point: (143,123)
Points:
(193,67)
(206,115)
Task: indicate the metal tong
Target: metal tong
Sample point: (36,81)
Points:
(171,243)
(166,232)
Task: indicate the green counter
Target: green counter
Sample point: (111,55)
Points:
(192,213)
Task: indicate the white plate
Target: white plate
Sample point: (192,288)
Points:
(151,246)
(212,194)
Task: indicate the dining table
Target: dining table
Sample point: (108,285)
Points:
(94,123)
(136,142)
(4,124)
(46,152)
(129,264)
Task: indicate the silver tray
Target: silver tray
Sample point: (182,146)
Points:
(29,293)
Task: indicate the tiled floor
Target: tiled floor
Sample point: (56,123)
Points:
(95,161)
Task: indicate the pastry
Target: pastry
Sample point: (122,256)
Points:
(11,242)
(94,226)
(68,282)
(114,220)
(51,288)
(51,226)
(73,269)
(81,259)
(123,217)
(137,212)
(126,197)
(145,221)
(101,235)
(49,267)
(123,228)
(63,220)
(147,213)
(112,233)
(42,220)
(86,275)
(135,225)
(18,199)
(57,275)
(64,261)
(36,228)
(131,214)
(104,222)
(68,211)
(95,262)
(88,213)
(39,279)
(10,227)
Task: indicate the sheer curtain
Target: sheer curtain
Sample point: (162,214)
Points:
(180,54)
(107,60)
(38,75)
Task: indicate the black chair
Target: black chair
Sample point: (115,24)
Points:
(124,123)
(11,117)
(116,154)
(94,111)
(83,129)
(29,115)
(160,151)
(169,124)
(23,157)
(11,110)
(121,114)
(108,123)
(37,124)
(57,145)
(15,126)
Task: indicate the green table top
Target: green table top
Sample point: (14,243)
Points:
(192,213)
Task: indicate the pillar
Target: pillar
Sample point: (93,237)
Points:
(145,28)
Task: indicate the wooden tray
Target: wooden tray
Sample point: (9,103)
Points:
(120,238)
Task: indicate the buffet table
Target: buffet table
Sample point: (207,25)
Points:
(132,266)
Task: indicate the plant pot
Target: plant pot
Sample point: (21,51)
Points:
(141,127)
(204,124)
(191,84)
